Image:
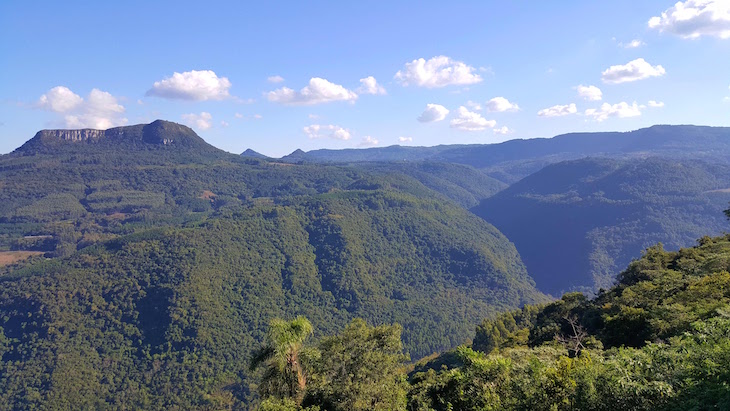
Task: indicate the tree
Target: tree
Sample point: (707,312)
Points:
(361,369)
(282,354)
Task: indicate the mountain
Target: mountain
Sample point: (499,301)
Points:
(252,153)
(576,223)
(162,264)
(158,134)
(515,159)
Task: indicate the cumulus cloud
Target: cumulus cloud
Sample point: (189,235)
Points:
(275,79)
(620,110)
(318,91)
(100,110)
(369,85)
(500,104)
(195,85)
(590,93)
(239,115)
(439,71)
(224,123)
(403,139)
(368,141)
(202,121)
(470,121)
(634,70)
(692,19)
(60,99)
(327,131)
(558,110)
(504,130)
(656,104)
(433,113)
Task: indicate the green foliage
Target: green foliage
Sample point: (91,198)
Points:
(361,369)
(284,358)
(668,321)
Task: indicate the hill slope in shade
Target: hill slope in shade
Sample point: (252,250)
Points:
(577,223)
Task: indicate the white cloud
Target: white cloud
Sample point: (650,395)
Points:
(470,121)
(195,85)
(318,91)
(634,70)
(695,18)
(620,110)
(403,139)
(656,104)
(257,116)
(590,93)
(558,111)
(140,102)
(202,121)
(473,105)
(100,110)
(433,113)
(439,71)
(636,43)
(60,99)
(239,115)
(275,79)
(313,116)
(369,85)
(224,123)
(504,130)
(368,141)
(327,131)
(500,104)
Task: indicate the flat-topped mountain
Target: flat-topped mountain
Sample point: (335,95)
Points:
(157,134)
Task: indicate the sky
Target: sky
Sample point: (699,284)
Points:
(276,76)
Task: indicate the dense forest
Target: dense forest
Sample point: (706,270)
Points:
(142,268)
(658,340)
(163,264)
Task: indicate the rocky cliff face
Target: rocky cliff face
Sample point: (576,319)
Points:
(71,135)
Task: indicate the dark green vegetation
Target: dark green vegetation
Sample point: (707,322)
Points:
(167,258)
(658,340)
(577,223)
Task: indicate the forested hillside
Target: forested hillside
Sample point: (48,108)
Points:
(577,223)
(658,340)
(160,262)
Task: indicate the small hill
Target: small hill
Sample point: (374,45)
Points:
(252,154)
(576,223)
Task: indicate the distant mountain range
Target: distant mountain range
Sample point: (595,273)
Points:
(515,159)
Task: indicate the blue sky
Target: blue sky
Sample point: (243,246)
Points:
(277,76)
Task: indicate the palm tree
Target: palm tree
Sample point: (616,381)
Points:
(284,375)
